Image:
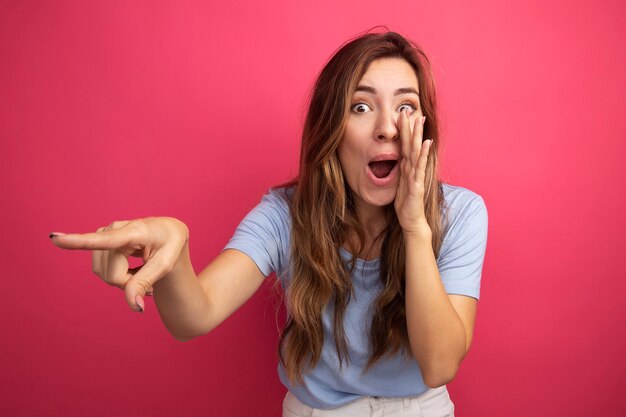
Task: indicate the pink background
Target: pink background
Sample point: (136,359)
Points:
(113,110)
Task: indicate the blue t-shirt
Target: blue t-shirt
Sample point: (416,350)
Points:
(264,235)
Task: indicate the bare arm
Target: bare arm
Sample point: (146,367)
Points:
(439,326)
(192,306)
(437,333)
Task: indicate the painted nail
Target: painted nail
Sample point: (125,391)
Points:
(139,303)
(55,234)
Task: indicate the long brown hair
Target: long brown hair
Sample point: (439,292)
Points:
(323,214)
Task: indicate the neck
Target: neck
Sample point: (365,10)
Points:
(372,218)
(374,223)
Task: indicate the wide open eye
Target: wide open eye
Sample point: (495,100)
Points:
(361,108)
(411,107)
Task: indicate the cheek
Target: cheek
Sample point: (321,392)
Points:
(346,162)
(349,166)
(346,150)
(352,150)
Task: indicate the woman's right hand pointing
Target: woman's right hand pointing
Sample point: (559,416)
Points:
(158,240)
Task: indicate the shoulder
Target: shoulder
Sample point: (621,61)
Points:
(461,201)
(457,196)
(264,233)
(272,212)
(464,241)
(462,208)
(277,199)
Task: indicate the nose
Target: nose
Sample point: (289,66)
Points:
(386,126)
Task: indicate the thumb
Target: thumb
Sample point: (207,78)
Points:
(140,303)
(135,291)
(142,283)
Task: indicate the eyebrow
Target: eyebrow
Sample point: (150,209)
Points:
(372,90)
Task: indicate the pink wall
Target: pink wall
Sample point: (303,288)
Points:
(115,110)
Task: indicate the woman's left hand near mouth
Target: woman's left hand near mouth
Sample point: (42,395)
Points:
(409,202)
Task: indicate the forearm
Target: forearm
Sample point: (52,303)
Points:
(436,332)
(181,301)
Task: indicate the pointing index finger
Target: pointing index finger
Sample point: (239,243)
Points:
(110,239)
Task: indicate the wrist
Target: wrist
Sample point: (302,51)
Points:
(420,231)
(182,267)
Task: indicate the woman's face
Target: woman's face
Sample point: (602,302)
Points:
(370,149)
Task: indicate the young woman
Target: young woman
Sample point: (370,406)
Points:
(380,261)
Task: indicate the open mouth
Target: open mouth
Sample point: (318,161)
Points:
(382,169)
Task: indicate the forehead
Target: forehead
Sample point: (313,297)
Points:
(389,73)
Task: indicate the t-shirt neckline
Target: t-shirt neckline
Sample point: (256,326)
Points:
(360,263)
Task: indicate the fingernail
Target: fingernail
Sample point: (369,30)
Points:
(423,120)
(139,303)
(55,234)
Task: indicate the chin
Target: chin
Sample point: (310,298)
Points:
(381,198)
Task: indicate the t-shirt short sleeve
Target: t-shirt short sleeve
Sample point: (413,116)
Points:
(263,234)
(463,248)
